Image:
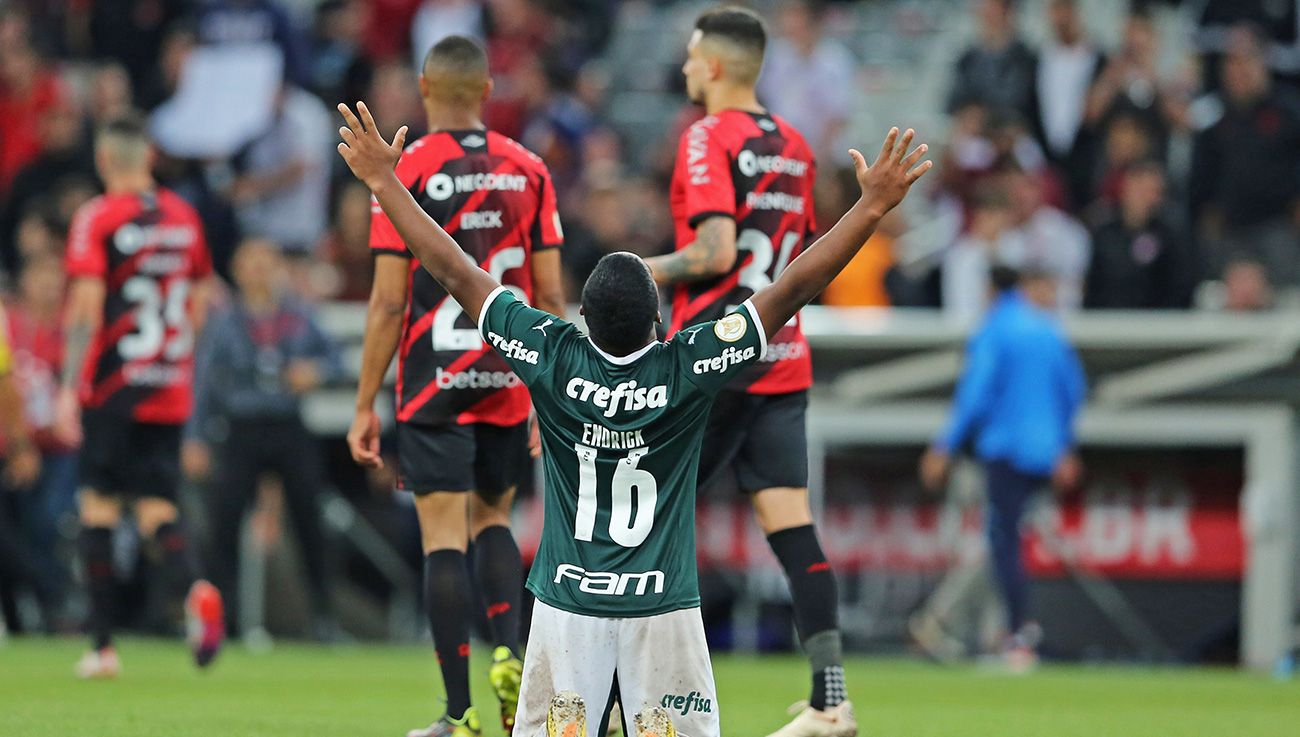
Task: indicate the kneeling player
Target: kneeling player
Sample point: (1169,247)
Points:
(138,266)
(622,417)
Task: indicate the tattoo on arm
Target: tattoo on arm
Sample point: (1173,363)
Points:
(75,345)
(712,254)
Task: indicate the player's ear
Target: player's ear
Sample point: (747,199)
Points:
(487,89)
(715,67)
(582,310)
(659,317)
(102,160)
(424,86)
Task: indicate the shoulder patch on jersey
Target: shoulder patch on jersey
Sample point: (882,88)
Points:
(730,328)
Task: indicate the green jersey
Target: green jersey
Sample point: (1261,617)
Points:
(620,447)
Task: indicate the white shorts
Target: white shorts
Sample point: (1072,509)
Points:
(659,660)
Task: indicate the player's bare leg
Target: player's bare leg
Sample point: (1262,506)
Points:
(99,514)
(500,573)
(567,716)
(167,546)
(786,519)
(444,534)
(653,721)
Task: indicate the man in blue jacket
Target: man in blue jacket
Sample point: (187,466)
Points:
(1015,407)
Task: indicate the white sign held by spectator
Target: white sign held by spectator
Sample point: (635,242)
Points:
(226,96)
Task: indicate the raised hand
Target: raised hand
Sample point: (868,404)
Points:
(369,157)
(885,183)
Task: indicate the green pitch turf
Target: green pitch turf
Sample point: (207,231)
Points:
(306,691)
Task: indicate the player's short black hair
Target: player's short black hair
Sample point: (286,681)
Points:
(459,54)
(456,69)
(739,26)
(1146,165)
(128,125)
(1004,277)
(620,302)
(125,140)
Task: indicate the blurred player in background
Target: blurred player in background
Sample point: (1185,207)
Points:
(1016,404)
(139,271)
(622,419)
(742,206)
(22,467)
(462,414)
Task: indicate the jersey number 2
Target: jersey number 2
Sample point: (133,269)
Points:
(156,309)
(448,337)
(628,480)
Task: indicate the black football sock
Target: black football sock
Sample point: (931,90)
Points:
(170,552)
(816,609)
(500,573)
(96,544)
(447,602)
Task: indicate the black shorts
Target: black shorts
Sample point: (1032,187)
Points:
(123,457)
(761,438)
(483,458)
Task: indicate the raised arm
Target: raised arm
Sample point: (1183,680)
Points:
(884,184)
(372,160)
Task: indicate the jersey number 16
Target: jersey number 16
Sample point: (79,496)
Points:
(628,481)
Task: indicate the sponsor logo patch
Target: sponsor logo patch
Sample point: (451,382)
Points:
(693,701)
(513,348)
(626,396)
(730,328)
(603,583)
(751,164)
(441,186)
(474,379)
(729,357)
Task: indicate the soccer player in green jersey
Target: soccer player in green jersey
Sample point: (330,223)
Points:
(622,417)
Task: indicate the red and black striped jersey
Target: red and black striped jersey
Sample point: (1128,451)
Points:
(149,249)
(756,169)
(496,199)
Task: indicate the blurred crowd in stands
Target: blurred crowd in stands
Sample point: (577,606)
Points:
(1136,182)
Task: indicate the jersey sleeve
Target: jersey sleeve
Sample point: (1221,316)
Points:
(86,255)
(712,353)
(383,236)
(704,166)
(547,232)
(527,338)
(201,268)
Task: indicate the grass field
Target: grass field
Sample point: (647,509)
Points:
(368,691)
